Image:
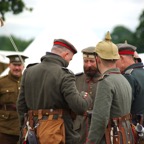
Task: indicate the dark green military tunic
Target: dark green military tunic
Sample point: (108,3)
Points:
(88,84)
(113,99)
(49,85)
(9,90)
(135,75)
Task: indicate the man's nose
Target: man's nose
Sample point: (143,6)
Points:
(89,64)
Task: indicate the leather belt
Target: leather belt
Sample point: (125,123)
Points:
(123,118)
(46,112)
(8,107)
(119,120)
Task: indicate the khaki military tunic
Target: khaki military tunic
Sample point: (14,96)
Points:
(113,99)
(88,84)
(9,90)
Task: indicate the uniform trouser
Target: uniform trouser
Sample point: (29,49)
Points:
(8,139)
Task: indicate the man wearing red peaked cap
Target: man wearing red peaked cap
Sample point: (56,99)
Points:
(49,87)
(134,73)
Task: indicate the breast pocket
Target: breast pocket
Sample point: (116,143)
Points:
(8,95)
(4,115)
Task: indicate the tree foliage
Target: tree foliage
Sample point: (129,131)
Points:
(121,33)
(139,34)
(136,38)
(14,6)
(7,45)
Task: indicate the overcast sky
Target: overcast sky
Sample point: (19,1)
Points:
(98,16)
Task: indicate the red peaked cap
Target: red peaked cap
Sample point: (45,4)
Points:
(65,44)
(126,49)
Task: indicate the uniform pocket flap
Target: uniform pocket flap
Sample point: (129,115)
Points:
(6,90)
(4,114)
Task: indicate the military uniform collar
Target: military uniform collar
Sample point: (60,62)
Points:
(109,72)
(14,78)
(92,79)
(135,65)
(55,58)
(112,71)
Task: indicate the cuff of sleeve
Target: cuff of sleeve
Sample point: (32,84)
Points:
(87,97)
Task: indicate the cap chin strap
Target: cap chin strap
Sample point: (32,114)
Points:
(97,64)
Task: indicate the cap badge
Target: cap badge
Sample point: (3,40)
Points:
(17,59)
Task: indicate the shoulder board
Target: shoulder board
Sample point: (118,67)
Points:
(129,71)
(1,77)
(67,70)
(32,64)
(79,74)
(103,76)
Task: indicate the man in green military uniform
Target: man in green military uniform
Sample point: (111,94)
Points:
(9,90)
(134,73)
(86,81)
(50,86)
(110,121)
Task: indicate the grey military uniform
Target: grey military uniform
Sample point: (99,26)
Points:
(59,92)
(88,84)
(113,99)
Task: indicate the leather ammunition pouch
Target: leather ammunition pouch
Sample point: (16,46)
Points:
(119,131)
(47,124)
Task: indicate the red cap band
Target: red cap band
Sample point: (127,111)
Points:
(64,45)
(126,52)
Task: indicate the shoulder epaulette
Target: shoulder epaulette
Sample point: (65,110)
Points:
(79,74)
(1,77)
(103,76)
(32,64)
(129,71)
(67,70)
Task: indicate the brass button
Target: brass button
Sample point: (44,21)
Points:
(51,110)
